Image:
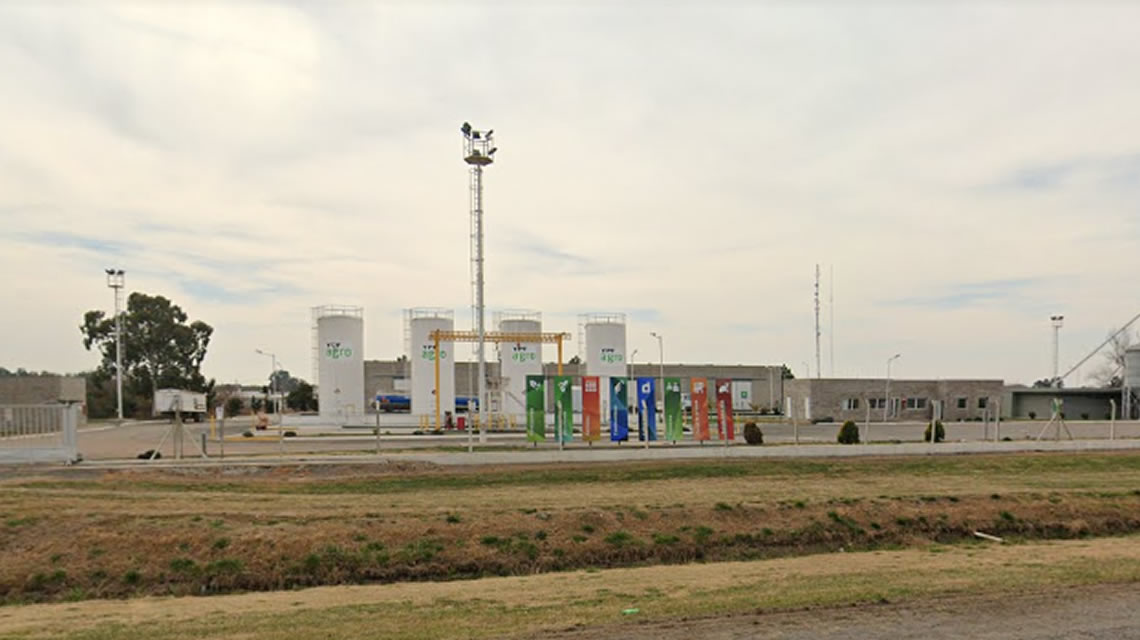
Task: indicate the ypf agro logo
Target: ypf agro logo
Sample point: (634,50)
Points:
(611,356)
(428,353)
(337,351)
(522,354)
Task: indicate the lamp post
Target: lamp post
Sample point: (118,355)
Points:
(887,399)
(1058,322)
(661,356)
(273,382)
(117,280)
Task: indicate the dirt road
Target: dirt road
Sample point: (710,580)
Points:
(1108,612)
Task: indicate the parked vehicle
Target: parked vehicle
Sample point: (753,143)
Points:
(168,402)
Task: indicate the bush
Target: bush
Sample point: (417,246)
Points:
(753,434)
(939,432)
(233,406)
(1032,415)
(848,433)
(1084,416)
(828,419)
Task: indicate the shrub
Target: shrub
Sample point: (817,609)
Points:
(1084,416)
(848,433)
(1032,415)
(939,432)
(753,434)
(821,420)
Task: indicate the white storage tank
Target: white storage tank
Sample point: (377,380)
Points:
(517,360)
(1132,367)
(603,339)
(340,358)
(421,322)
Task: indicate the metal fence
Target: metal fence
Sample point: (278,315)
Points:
(38,433)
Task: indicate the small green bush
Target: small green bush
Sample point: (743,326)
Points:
(1084,416)
(848,433)
(939,432)
(1032,415)
(752,434)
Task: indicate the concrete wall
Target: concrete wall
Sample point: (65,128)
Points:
(1097,403)
(42,389)
(829,397)
(45,390)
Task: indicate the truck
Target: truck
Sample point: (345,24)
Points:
(168,402)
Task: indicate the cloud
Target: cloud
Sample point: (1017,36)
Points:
(687,166)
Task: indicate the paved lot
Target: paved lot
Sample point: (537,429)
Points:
(109,442)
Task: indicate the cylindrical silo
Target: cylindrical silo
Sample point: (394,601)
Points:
(519,359)
(605,355)
(340,345)
(421,322)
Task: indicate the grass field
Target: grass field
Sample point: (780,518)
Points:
(72,536)
(536,605)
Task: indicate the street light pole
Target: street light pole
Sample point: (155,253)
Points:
(661,355)
(1058,322)
(116,280)
(272,381)
(887,399)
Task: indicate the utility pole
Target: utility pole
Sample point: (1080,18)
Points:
(116,280)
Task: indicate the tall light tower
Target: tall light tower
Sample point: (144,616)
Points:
(1058,322)
(116,280)
(478,151)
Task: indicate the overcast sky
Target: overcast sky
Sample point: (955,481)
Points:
(966,170)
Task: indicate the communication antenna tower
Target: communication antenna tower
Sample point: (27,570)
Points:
(818,371)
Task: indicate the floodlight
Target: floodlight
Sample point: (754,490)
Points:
(492,151)
(466,128)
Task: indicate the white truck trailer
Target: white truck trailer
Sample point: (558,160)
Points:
(168,402)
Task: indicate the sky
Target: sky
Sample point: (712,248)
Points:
(965,170)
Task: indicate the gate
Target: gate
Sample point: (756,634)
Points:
(38,433)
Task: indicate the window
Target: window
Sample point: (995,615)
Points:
(961,403)
(982,402)
(877,403)
(850,404)
(916,403)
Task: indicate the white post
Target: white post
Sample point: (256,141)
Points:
(378,430)
(997,422)
(1112,419)
(867,434)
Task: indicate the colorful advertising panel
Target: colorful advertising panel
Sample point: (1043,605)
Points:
(724,424)
(563,409)
(619,409)
(535,408)
(699,393)
(674,423)
(591,409)
(647,408)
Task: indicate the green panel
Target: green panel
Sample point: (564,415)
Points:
(535,408)
(563,408)
(674,423)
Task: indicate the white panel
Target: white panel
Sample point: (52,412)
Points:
(517,360)
(423,367)
(341,342)
(741,395)
(1132,368)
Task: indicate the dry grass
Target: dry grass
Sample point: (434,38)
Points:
(143,533)
(520,606)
